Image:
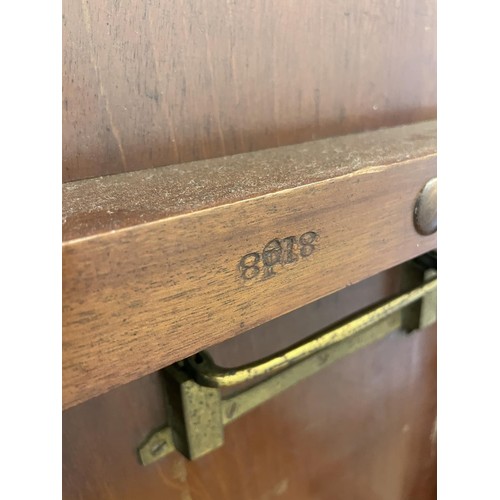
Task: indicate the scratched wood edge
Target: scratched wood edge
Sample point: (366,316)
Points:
(145,296)
(99,205)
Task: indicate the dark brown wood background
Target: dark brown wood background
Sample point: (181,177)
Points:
(155,83)
(152,83)
(360,429)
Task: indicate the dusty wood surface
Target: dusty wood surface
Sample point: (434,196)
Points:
(141,297)
(114,202)
(147,84)
(361,429)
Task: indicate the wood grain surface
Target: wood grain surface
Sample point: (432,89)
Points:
(148,84)
(137,298)
(158,84)
(117,202)
(363,428)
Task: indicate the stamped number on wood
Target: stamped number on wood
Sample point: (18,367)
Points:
(284,251)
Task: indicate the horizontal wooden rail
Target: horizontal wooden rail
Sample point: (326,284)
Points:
(162,263)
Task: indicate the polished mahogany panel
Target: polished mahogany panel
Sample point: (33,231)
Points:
(147,84)
(363,428)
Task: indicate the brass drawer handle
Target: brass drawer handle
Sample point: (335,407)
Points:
(209,374)
(198,411)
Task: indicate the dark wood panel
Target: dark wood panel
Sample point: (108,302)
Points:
(361,429)
(148,84)
(155,83)
(141,297)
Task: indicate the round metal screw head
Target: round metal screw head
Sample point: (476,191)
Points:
(425,214)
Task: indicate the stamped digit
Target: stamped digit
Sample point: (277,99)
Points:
(249,265)
(271,255)
(289,243)
(307,243)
